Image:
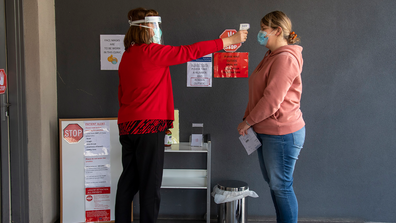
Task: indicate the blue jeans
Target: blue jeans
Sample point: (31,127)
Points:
(277,156)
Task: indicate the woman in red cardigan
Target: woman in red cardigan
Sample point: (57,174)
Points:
(146,108)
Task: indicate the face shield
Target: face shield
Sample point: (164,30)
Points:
(153,24)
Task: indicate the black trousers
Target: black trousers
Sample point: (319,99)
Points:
(143,163)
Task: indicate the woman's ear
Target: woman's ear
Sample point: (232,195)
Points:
(279,31)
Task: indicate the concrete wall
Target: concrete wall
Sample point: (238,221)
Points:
(43,156)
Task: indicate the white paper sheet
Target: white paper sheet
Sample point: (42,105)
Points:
(250,141)
(111,50)
(97,171)
(196,140)
(97,138)
(199,72)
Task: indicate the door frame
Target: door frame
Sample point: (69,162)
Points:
(18,185)
(4,148)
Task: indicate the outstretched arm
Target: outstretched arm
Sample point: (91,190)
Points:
(238,37)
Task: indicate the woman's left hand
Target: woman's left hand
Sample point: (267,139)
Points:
(242,128)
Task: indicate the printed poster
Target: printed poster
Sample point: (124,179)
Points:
(97,171)
(111,50)
(199,72)
(97,204)
(97,138)
(231,65)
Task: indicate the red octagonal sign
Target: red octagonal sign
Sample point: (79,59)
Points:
(228,33)
(73,133)
(3,81)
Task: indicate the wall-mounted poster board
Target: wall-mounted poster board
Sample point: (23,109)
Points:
(90,165)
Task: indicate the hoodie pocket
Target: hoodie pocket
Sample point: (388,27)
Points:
(275,115)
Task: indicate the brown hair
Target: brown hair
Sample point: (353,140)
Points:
(138,34)
(277,19)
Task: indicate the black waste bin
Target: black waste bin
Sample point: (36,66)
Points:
(233,211)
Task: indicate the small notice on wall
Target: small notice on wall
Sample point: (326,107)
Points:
(199,72)
(111,50)
(231,65)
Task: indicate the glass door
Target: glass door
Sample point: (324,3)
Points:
(13,137)
(4,148)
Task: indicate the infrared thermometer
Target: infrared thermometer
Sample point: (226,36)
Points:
(244,26)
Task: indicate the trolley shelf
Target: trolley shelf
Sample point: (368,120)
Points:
(184,179)
(184,147)
(190,178)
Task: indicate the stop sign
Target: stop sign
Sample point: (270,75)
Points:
(3,81)
(89,198)
(228,33)
(73,133)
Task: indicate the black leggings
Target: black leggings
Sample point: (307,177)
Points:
(143,163)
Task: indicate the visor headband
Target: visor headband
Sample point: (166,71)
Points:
(147,19)
(136,22)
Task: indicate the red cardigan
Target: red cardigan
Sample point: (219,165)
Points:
(145,86)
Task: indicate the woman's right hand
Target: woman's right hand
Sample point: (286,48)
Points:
(238,37)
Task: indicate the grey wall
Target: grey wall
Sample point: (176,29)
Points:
(347,168)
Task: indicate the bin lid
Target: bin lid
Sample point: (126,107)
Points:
(233,185)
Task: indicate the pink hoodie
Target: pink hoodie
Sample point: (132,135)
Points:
(275,89)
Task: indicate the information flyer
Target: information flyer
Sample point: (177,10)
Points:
(199,72)
(231,65)
(111,50)
(97,171)
(97,138)
(97,204)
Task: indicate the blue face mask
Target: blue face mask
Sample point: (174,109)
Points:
(261,37)
(157,36)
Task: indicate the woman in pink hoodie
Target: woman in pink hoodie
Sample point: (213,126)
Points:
(273,111)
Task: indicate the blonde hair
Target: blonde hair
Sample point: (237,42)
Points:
(277,19)
(135,33)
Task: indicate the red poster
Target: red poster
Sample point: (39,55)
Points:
(97,190)
(97,215)
(231,65)
(97,204)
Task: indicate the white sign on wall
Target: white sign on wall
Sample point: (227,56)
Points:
(199,72)
(111,50)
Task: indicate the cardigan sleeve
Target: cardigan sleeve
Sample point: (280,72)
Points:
(165,55)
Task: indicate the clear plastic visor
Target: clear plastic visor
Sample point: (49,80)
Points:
(153,24)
